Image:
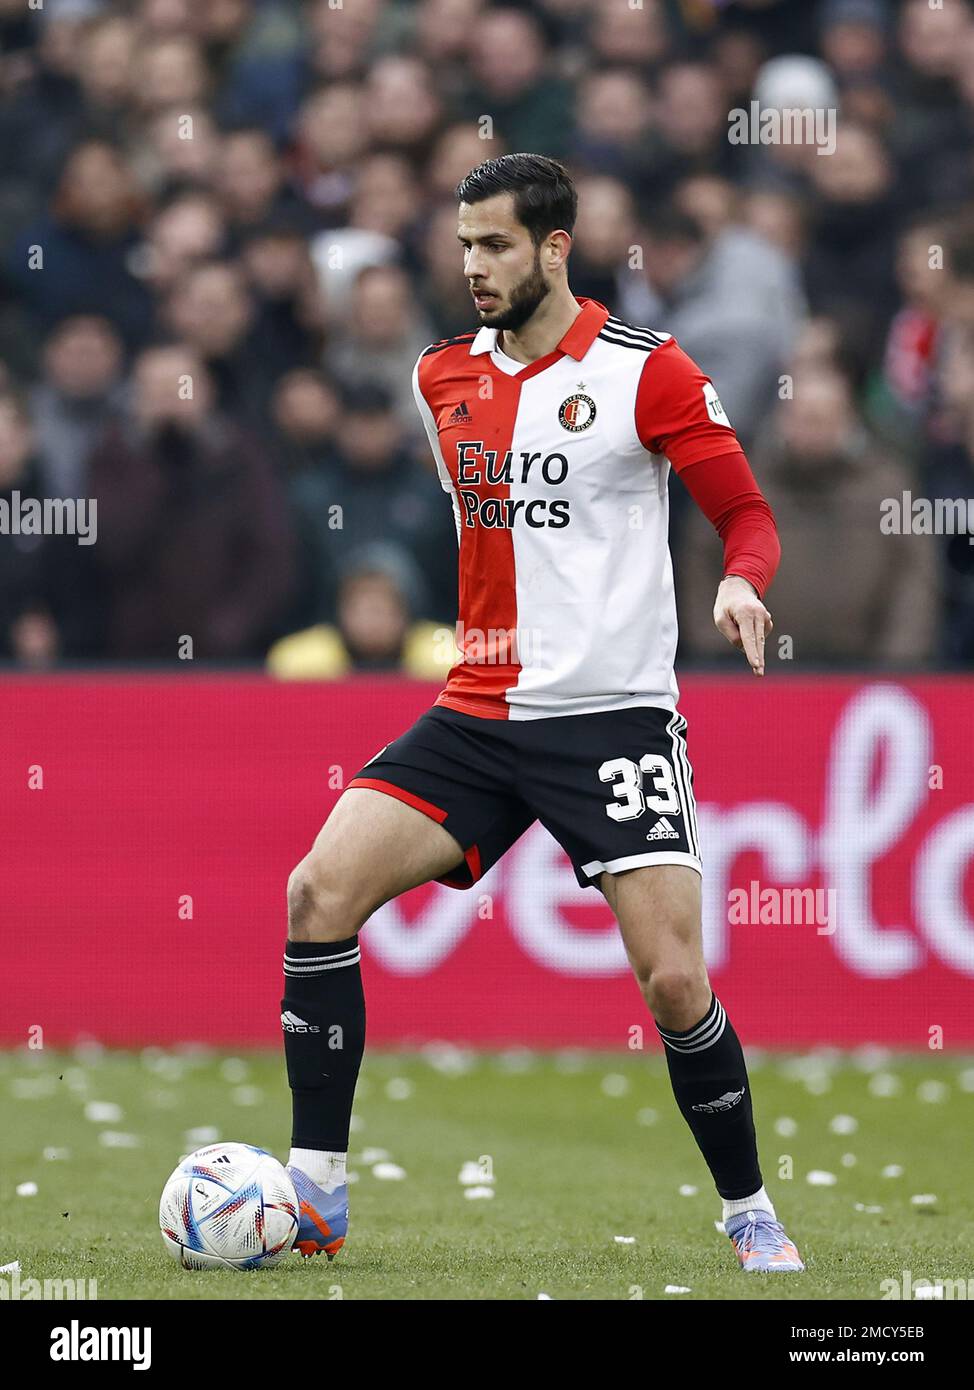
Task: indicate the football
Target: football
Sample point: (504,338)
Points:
(228,1206)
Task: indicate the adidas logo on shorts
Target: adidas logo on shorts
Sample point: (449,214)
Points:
(292,1024)
(662,830)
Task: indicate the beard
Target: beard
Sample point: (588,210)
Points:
(525,297)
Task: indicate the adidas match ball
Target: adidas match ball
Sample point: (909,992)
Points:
(229,1206)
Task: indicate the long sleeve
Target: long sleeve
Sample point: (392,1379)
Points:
(725,490)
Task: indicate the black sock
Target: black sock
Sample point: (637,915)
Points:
(710,1083)
(323,1020)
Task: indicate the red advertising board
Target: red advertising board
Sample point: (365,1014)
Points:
(148,825)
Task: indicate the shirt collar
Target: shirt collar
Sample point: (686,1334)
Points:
(584,329)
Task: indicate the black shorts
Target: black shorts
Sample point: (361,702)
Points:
(614,789)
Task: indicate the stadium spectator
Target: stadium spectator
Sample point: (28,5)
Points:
(272,182)
(213,310)
(735,304)
(378,491)
(948,474)
(513,83)
(79,393)
(186,231)
(379,594)
(28,630)
(873,598)
(194,541)
(75,260)
(384,334)
(49,603)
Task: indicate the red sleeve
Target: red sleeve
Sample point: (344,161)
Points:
(678,411)
(726,492)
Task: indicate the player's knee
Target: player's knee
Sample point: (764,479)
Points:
(319,906)
(669,989)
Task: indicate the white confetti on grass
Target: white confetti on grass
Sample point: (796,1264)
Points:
(388,1172)
(234,1070)
(687,1189)
(647,1116)
(786,1127)
(56,1155)
(966,1079)
(448,1059)
(517,1060)
(571,1060)
(27,1189)
(884,1085)
(818,1084)
(932,1092)
(544,1298)
(820,1177)
(893,1170)
(848,1160)
(399,1088)
(32,1087)
(115,1139)
(103,1112)
(870,1211)
(870,1057)
(624,1240)
(476,1194)
(247,1095)
(676,1288)
(843,1124)
(370,1156)
(202,1134)
(615,1085)
(923,1199)
(472,1174)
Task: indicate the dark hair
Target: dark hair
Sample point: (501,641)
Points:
(545,200)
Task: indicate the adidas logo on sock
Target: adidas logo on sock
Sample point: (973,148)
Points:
(725,1102)
(662,830)
(461,416)
(292,1024)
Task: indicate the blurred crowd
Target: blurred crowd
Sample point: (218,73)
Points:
(255,198)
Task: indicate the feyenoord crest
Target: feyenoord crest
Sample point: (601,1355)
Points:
(577,413)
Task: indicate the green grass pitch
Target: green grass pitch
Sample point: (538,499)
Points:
(582,1147)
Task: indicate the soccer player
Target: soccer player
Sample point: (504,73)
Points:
(553,426)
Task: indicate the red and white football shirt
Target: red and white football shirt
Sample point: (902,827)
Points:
(558,475)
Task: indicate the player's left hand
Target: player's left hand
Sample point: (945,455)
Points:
(743,619)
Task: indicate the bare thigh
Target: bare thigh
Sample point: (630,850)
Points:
(658,909)
(371,848)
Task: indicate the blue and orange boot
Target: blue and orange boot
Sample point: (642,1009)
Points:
(323,1223)
(761,1243)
